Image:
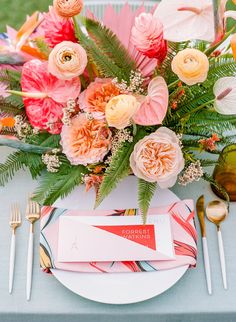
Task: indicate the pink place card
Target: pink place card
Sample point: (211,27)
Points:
(107,238)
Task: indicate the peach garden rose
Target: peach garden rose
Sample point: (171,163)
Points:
(158,158)
(85,141)
(67,60)
(68,8)
(191,65)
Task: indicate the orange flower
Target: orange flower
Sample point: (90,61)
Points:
(233,45)
(85,141)
(68,8)
(91,181)
(7,122)
(95,98)
(209,144)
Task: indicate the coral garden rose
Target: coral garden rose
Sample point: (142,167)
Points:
(45,95)
(85,141)
(95,98)
(147,36)
(68,8)
(120,110)
(158,158)
(191,66)
(55,29)
(67,60)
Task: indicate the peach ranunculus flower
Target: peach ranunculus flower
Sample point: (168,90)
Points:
(191,66)
(158,158)
(68,8)
(67,60)
(95,98)
(120,110)
(85,141)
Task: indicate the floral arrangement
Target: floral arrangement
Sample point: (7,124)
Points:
(146,93)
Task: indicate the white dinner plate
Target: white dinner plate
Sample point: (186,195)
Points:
(118,288)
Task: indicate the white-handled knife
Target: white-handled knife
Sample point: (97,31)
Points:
(201,217)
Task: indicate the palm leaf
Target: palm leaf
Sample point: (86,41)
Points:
(146,191)
(104,64)
(19,145)
(58,185)
(118,169)
(10,167)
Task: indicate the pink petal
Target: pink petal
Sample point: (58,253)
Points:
(186,25)
(153,109)
(41,112)
(121,24)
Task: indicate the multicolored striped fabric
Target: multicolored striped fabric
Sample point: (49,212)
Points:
(184,235)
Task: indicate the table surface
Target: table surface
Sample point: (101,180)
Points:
(186,301)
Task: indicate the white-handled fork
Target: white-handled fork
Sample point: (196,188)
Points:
(15,222)
(32,215)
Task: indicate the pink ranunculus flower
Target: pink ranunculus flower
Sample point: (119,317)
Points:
(95,98)
(56,29)
(45,95)
(85,141)
(158,158)
(67,60)
(147,36)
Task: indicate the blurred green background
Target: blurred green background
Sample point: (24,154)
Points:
(13,12)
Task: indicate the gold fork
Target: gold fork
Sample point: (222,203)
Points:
(15,222)
(32,215)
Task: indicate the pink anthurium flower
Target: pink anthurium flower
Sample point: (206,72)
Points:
(45,95)
(225,94)
(154,106)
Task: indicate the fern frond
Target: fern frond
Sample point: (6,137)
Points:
(60,184)
(10,167)
(8,108)
(111,46)
(11,77)
(146,191)
(118,169)
(104,64)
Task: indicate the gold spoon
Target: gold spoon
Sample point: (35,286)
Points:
(217,212)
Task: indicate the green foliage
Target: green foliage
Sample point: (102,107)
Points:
(26,147)
(10,108)
(146,191)
(118,168)
(106,65)
(10,167)
(111,46)
(60,184)
(11,77)
(42,46)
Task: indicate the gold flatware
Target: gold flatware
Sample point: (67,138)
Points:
(217,211)
(32,215)
(15,222)
(201,217)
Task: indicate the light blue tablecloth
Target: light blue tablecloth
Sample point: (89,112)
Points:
(187,301)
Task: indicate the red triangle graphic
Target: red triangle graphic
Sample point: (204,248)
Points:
(141,234)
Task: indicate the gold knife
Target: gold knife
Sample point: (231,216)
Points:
(201,218)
